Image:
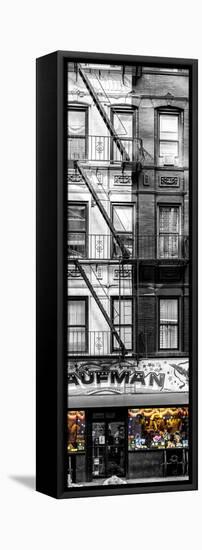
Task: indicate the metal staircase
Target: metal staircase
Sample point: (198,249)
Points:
(100,305)
(84,170)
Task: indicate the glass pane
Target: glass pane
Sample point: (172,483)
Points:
(123,218)
(116,449)
(76,340)
(129,149)
(168,246)
(169,148)
(127,241)
(76,312)
(168,336)
(76,122)
(124,309)
(169,219)
(76,244)
(169,310)
(169,126)
(98,449)
(76,216)
(76,431)
(154,428)
(125,334)
(76,148)
(123,124)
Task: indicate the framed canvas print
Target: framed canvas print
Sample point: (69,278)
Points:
(116,274)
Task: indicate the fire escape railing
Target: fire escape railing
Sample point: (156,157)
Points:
(93,342)
(98,247)
(96,148)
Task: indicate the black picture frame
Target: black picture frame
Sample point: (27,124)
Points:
(51,274)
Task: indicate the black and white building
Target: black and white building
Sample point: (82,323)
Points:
(127,274)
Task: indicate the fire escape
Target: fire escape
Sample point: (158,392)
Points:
(150,249)
(88,178)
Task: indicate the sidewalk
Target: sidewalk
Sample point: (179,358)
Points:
(144,480)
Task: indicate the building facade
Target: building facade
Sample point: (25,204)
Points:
(127,273)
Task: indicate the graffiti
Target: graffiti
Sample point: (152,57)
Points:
(127,377)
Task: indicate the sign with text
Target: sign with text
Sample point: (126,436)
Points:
(128,377)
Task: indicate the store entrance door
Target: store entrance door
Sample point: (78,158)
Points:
(108,449)
(115,449)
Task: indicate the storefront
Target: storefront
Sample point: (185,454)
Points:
(132,444)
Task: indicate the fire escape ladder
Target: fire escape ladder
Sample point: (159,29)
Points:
(102,309)
(99,204)
(103,114)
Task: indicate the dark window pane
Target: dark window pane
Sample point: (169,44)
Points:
(76,148)
(128,242)
(76,218)
(76,339)
(76,244)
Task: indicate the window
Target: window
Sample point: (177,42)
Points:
(77,230)
(122,320)
(122,217)
(77,325)
(169,232)
(77,133)
(169,138)
(76,431)
(123,122)
(158,428)
(168,336)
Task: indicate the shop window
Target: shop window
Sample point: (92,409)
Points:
(77,325)
(122,320)
(158,428)
(123,221)
(76,431)
(77,230)
(169,240)
(169,137)
(168,329)
(77,133)
(124,126)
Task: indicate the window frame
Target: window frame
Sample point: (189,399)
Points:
(86,232)
(177,298)
(169,205)
(80,107)
(170,111)
(124,109)
(129,298)
(85,300)
(124,205)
